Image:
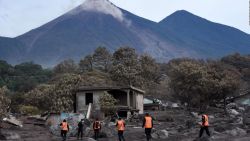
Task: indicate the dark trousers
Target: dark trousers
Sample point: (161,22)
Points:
(204,128)
(79,133)
(148,133)
(64,134)
(96,131)
(120,136)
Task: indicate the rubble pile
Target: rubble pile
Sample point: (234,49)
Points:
(53,123)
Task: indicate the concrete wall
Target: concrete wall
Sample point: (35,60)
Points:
(81,104)
(139,103)
(136,100)
(81,100)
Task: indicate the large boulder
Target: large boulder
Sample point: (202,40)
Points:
(160,134)
(107,131)
(54,120)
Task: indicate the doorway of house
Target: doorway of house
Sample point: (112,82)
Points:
(89,98)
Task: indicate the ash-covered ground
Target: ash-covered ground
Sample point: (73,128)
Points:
(172,124)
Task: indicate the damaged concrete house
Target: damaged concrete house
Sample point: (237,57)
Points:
(130,99)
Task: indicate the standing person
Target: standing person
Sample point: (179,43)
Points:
(80,129)
(148,125)
(64,129)
(204,125)
(120,128)
(97,127)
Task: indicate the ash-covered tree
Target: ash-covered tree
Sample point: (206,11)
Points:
(102,59)
(66,66)
(4,101)
(64,90)
(126,68)
(86,64)
(200,83)
(240,62)
(226,80)
(40,97)
(187,81)
(150,70)
(107,103)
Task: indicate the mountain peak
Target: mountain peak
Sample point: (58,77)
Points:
(182,12)
(181,16)
(101,6)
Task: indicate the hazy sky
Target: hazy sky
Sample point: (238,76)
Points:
(20,16)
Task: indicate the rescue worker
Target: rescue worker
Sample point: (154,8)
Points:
(97,127)
(204,125)
(148,125)
(80,129)
(64,129)
(120,128)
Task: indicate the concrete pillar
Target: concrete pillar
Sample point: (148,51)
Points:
(128,98)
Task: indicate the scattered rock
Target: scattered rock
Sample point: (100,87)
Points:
(88,139)
(241,109)
(13,120)
(175,105)
(160,134)
(190,124)
(87,132)
(236,132)
(9,135)
(107,132)
(211,117)
(194,114)
(234,112)
(231,106)
(204,138)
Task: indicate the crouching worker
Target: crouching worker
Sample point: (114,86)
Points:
(64,129)
(204,125)
(148,125)
(120,128)
(97,127)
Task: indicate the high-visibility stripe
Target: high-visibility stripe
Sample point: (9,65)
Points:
(120,125)
(148,123)
(64,126)
(206,120)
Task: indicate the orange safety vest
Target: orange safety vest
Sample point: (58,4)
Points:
(97,125)
(206,120)
(64,126)
(120,125)
(148,123)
